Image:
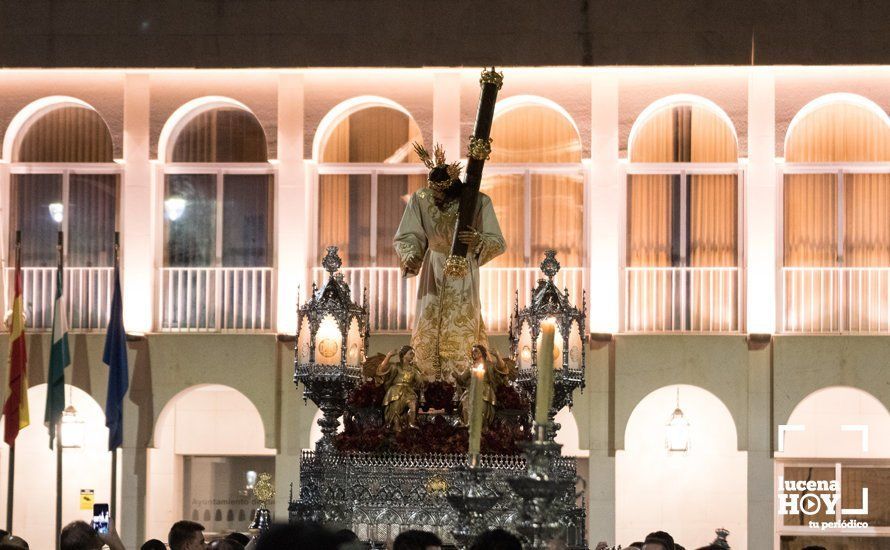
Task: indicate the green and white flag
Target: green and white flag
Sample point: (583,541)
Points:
(59,358)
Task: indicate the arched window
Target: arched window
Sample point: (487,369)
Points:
(218,203)
(367,170)
(64,178)
(836,216)
(682,219)
(536,183)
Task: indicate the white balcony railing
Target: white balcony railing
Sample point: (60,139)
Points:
(674,299)
(204,299)
(393,299)
(87,296)
(836,299)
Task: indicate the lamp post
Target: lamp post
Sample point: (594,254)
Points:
(332,341)
(547,303)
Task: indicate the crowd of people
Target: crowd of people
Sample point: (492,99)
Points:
(189,535)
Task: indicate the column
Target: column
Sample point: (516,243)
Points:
(600,394)
(136,216)
(292,197)
(761,493)
(760,200)
(446,112)
(603,204)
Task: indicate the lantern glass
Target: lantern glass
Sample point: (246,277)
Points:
(353,344)
(328,340)
(72,429)
(677,433)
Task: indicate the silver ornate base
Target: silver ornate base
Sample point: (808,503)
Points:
(378,496)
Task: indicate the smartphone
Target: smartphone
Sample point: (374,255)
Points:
(100,518)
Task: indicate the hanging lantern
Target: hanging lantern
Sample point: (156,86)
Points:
(676,439)
(332,342)
(547,302)
(72,429)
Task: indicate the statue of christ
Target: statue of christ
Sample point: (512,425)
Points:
(449,311)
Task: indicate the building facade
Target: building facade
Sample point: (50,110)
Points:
(730,225)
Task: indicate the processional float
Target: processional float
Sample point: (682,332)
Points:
(379,481)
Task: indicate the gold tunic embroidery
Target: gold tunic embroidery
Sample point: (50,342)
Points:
(449,310)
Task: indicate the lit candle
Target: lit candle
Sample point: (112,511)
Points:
(544,394)
(476,384)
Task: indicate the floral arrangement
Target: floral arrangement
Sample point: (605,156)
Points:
(439,395)
(510,399)
(368,394)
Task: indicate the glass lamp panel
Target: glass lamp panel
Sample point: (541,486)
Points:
(328,342)
(353,345)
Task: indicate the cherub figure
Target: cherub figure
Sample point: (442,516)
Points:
(402,380)
(497,373)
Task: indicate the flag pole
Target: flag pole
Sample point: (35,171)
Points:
(10,489)
(59,429)
(58,485)
(117,248)
(10,483)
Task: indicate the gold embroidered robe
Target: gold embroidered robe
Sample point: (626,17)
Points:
(449,311)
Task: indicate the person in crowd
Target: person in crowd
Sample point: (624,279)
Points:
(153,544)
(186,535)
(496,539)
(659,540)
(226,544)
(79,535)
(240,538)
(417,540)
(305,536)
(11,541)
(635,546)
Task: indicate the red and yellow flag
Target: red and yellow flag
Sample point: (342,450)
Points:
(16,407)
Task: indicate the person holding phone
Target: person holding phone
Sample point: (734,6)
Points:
(79,535)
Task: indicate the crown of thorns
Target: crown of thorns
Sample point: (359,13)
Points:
(437,160)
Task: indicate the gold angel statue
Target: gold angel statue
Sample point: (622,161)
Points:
(402,379)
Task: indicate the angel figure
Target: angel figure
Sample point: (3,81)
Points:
(402,380)
(498,372)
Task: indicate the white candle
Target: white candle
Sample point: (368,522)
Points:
(476,405)
(544,394)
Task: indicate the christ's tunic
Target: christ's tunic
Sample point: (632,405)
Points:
(449,311)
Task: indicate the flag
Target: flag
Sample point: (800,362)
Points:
(115,356)
(59,358)
(16,407)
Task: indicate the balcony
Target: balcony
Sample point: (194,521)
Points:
(682,299)
(836,300)
(88,293)
(213,299)
(393,299)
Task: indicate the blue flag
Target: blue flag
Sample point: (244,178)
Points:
(115,356)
